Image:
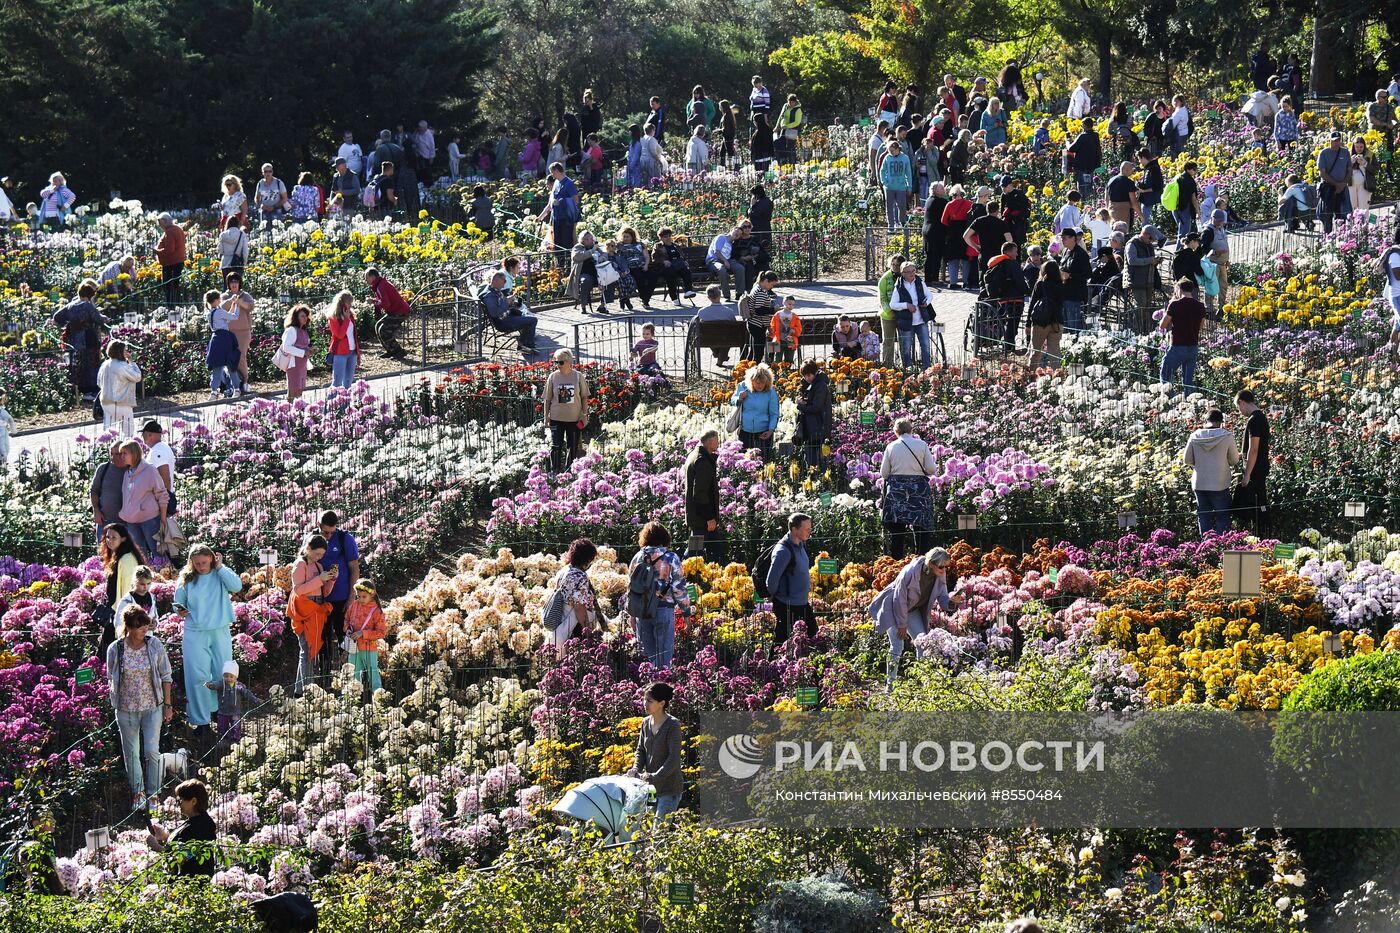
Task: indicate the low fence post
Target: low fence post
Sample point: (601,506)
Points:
(578,358)
(869,252)
(811,255)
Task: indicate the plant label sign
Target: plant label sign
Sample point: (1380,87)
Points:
(867,419)
(681,893)
(825,499)
(1054,575)
(828,566)
(1285,551)
(83,675)
(692,592)
(809,697)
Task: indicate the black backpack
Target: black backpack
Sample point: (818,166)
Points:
(759,571)
(642,601)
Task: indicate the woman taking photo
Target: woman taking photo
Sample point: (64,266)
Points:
(296,342)
(203,600)
(121,558)
(657,634)
(193,798)
(345,348)
(757,402)
(308,609)
(1362,179)
(138,684)
(117,379)
(580,601)
(658,759)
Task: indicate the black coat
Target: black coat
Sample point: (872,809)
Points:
(701,488)
(1004,280)
(814,408)
(933,215)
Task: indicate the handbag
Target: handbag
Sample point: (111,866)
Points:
(554,610)
(735,420)
(283,360)
(607,274)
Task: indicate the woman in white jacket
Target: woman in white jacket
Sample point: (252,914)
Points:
(296,339)
(697,152)
(116,386)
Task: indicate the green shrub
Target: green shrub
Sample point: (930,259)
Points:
(821,904)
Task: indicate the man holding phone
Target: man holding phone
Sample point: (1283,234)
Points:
(342,559)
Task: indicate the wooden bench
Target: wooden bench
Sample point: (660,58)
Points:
(711,335)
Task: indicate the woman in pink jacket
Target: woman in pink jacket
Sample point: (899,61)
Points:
(345,346)
(144,499)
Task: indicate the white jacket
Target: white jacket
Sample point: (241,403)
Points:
(116,382)
(1079,104)
(907,455)
(289,343)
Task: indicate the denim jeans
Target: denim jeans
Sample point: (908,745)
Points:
(1185,223)
(916,627)
(343,369)
(666,804)
(144,534)
(957,272)
(715,550)
(752,441)
(1213,510)
(223,378)
(658,636)
(725,270)
(308,668)
(1148,200)
(906,347)
(563,444)
(140,732)
(896,208)
(1184,360)
(1072,313)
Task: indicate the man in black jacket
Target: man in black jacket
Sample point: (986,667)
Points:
(935,234)
(1016,209)
(1086,155)
(1006,286)
(1076,264)
(702,497)
(760,213)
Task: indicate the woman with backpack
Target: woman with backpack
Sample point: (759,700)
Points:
(655,588)
(1046,306)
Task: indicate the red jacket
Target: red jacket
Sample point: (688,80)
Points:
(388,299)
(343,339)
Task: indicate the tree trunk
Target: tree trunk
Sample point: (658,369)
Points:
(1105,45)
(1327,35)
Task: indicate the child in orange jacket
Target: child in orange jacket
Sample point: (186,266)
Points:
(366,626)
(787,330)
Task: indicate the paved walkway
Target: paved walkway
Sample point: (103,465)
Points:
(594,336)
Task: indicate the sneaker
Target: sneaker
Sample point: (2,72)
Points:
(690,293)
(214,396)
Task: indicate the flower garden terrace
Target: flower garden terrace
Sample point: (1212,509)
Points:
(425,806)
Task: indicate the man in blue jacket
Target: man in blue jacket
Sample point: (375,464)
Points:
(790,579)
